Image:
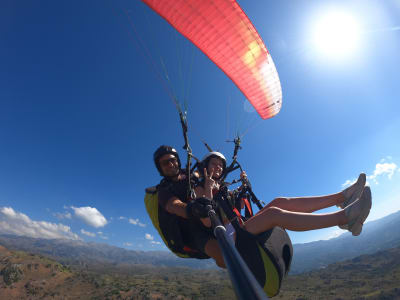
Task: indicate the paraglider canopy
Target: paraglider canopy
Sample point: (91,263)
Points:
(223,32)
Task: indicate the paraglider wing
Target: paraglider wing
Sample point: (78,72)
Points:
(223,32)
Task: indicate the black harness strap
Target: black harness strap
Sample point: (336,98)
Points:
(183,119)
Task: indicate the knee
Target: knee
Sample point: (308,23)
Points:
(220,262)
(212,249)
(278,202)
(273,213)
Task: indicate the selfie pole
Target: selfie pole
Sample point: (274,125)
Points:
(245,284)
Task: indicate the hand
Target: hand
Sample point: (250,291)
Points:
(209,182)
(199,208)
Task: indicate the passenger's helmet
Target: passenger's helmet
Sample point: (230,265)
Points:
(206,160)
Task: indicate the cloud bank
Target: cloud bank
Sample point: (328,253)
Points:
(16,223)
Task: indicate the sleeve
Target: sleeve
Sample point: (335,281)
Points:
(164,195)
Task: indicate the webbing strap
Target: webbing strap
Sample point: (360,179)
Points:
(248,207)
(238,216)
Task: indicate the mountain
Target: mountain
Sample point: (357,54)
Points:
(28,276)
(373,276)
(81,253)
(376,235)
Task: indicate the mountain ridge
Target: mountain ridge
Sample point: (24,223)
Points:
(376,236)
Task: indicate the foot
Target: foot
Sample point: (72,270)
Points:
(353,192)
(358,211)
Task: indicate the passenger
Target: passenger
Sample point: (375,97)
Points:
(295,213)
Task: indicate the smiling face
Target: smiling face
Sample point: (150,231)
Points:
(216,166)
(169,165)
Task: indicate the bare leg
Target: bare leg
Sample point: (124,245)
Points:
(306,204)
(213,250)
(311,204)
(296,221)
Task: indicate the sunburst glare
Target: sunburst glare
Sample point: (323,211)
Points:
(336,34)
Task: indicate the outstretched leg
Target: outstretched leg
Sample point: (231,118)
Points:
(354,215)
(306,204)
(311,204)
(270,217)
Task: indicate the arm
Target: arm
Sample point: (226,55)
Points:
(175,206)
(171,203)
(205,191)
(187,210)
(200,192)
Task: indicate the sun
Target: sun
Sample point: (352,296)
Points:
(336,34)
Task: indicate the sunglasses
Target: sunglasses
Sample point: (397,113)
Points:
(166,162)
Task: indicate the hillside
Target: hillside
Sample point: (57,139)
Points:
(81,253)
(374,276)
(29,276)
(376,236)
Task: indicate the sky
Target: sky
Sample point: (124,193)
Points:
(84,103)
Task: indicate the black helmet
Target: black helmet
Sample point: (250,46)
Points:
(206,160)
(162,150)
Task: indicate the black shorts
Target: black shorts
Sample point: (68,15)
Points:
(195,235)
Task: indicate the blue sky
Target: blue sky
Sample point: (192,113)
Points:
(82,110)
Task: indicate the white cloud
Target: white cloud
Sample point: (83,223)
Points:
(122,218)
(155,243)
(128,244)
(90,215)
(348,182)
(91,234)
(383,169)
(136,222)
(149,237)
(12,222)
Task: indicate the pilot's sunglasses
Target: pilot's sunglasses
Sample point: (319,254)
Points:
(166,162)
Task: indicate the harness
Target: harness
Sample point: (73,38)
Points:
(168,226)
(269,254)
